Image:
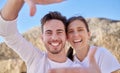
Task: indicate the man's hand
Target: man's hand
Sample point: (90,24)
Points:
(32,4)
(66,70)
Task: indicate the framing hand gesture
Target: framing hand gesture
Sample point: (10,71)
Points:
(32,4)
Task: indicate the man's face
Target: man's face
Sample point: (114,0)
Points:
(54,36)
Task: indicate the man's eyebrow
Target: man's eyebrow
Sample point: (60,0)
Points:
(60,30)
(48,31)
(56,30)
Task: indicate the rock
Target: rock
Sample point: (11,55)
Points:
(12,66)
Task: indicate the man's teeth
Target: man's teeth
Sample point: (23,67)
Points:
(55,44)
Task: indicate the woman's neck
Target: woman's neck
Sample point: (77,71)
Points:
(82,53)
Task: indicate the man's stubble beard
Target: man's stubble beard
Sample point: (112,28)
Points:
(55,52)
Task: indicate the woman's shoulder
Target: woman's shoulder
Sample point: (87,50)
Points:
(101,52)
(100,49)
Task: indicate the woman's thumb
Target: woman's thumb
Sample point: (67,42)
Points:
(91,54)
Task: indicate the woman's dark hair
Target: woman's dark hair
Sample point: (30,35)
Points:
(70,53)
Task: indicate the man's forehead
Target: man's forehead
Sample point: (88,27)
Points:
(55,29)
(54,25)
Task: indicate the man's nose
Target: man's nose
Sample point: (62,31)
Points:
(54,36)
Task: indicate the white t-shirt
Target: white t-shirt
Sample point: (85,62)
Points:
(36,60)
(106,61)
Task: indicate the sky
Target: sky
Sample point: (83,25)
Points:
(87,8)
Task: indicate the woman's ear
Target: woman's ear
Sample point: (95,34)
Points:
(89,35)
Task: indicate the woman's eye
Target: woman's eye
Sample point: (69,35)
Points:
(70,31)
(80,29)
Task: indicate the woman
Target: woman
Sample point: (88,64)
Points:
(78,35)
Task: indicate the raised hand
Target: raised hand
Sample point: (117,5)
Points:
(32,4)
(92,68)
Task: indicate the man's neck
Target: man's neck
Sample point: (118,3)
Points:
(61,57)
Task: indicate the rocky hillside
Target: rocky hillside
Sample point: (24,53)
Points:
(105,32)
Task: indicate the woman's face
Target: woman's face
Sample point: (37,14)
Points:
(78,35)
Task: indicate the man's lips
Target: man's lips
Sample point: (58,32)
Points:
(54,44)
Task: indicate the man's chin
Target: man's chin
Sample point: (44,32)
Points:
(55,52)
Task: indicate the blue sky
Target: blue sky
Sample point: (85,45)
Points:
(87,8)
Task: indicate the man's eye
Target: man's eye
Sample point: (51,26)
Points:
(60,32)
(48,33)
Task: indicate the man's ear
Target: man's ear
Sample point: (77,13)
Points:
(41,36)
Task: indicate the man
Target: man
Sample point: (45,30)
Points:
(53,35)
